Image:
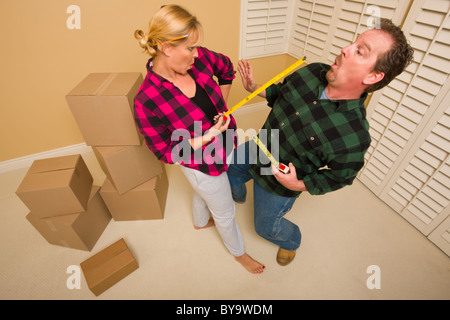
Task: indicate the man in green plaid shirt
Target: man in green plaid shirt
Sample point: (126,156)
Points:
(318,127)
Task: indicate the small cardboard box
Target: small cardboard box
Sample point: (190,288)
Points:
(56,186)
(109,266)
(79,230)
(102,105)
(128,166)
(145,202)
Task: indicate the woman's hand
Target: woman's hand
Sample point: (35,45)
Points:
(215,130)
(220,124)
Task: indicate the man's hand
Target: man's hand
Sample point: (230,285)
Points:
(289,180)
(246,72)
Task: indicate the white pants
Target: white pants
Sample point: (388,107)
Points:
(212,196)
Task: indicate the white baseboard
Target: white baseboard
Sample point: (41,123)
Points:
(26,161)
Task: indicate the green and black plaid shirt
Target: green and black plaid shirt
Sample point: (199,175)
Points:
(324,139)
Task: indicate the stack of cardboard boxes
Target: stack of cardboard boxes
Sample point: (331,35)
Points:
(136,184)
(66,208)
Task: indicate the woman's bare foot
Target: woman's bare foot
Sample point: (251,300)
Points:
(251,265)
(210,223)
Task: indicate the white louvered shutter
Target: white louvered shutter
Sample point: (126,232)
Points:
(408,163)
(265,27)
(441,236)
(420,190)
(321,28)
(311,31)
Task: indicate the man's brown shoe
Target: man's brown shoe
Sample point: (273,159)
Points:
(284,257)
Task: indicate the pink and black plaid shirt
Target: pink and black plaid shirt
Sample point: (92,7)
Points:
(167,118)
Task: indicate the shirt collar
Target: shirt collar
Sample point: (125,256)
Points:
(159,80)
(343,105)
(155,78)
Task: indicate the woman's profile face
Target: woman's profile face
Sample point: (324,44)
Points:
(182,56)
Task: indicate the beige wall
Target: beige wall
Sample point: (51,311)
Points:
(42,60)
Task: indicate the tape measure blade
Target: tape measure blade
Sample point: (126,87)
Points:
(266,85)
(241,103)
(266,152)
(284,72)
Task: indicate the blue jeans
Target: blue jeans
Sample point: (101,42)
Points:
(269,209)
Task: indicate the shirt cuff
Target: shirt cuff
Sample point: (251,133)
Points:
(224,82)
(270,95)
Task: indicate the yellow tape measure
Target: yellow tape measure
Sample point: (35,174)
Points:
(282,167)
(265,86)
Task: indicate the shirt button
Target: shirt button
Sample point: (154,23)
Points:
(312,138)
(315,102)
(282,124)
(297,113)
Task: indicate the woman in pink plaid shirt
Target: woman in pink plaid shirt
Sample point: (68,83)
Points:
(176,110)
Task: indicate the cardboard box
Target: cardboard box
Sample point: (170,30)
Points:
(102,105)
(128,166)
(108,267)
(145,202)
(56,186)
(79,230)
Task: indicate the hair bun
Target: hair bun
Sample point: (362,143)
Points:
(143,40)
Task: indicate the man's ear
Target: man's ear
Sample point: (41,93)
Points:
(373,78)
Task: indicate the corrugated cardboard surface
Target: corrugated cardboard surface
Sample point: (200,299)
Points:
(108,267)
(56,186)
(128,166)
(145,202)
(102,105)
(79,230)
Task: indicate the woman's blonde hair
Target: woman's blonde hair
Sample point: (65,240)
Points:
(171,23)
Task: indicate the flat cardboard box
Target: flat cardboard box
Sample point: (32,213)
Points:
(102,105)
(109,266)
(128,166)
(79,230)
(145,202)
(56,186)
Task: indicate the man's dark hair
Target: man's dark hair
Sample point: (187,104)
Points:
(395,61)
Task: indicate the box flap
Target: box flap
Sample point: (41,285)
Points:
(108,267)
(104,255)
(50,180)
(122,84)
(89,85)
(54,164)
